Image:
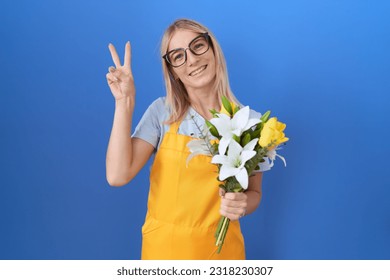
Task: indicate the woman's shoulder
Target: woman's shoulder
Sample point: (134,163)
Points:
(159,107)
(158,103)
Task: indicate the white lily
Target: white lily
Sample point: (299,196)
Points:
(233,164)
(228,127)
(272,156)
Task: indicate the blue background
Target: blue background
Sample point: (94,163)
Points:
(323,67)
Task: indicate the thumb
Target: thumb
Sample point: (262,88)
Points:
(221,192)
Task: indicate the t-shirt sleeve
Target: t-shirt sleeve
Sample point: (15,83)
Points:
(149,127)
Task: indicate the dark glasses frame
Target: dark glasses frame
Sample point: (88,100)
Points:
(204,35)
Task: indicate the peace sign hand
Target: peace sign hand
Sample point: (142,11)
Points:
(120,78)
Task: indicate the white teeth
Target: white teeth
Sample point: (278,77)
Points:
(197,71)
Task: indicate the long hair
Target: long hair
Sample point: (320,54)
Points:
(177,97)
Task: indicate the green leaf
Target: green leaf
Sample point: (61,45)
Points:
(264,118)
(226,104)
(255,133)
(232,185)
(236,138)
(213,130)
(222,187)
(237,188)
(260,125)
(236,109)
(246,138)
(213,112)
(252,164)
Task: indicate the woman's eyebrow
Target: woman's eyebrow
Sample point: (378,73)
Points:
(174,50)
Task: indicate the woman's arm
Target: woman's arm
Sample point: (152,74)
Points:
(125,156)
(254,192)
(235,205)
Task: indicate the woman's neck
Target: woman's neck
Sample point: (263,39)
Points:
(202,102)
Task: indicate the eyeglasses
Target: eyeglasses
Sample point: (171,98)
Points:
(198,46)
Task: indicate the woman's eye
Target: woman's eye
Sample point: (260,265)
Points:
(198,46)
(177,57)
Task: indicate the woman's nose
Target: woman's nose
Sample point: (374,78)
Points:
(191,58)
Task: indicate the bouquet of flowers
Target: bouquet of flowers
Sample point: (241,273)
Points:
(242,143)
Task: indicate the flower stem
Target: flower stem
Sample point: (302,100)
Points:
(221,232)
(218,228)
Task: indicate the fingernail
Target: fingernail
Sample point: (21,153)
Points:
(111,69)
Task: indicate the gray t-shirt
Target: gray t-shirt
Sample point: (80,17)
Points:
(151,128)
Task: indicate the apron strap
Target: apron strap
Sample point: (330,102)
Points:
(174,128)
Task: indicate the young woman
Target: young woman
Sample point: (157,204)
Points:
(184,204)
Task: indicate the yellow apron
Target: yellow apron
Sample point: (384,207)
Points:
(183,207)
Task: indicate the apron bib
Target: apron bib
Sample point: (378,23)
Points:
(183,207)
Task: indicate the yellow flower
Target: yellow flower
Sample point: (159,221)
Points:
(272,134)
(231,106)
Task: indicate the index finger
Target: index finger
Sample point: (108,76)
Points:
(114,55)
(127,61)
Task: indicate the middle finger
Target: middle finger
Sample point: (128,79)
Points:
(127,61)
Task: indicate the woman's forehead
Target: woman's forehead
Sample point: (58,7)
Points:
(181,38)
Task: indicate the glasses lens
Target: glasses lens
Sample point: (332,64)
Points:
(177,57)
(200,45)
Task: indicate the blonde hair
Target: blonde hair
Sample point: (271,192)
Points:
(177,97)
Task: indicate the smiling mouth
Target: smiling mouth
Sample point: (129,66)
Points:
(198,71)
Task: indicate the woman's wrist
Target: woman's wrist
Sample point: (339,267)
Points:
(253,201)
(127,103)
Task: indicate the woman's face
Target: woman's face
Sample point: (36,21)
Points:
(199,70)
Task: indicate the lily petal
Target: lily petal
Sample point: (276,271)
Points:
(220,159)
(222,125)
(224,117)
(251,122)
(223,143)
(240,119)
(271,154)
(242,178)
(237,131)
(235,150)
(283,159)
(227,171)
(245,156)
(251,145)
